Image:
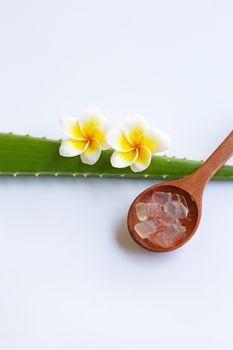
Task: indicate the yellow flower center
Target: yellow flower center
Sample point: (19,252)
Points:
(137,145)
(88,138)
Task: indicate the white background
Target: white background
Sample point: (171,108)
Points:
(70,275)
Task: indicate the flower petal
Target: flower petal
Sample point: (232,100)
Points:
(71,128)
(143,159)
(135,126)
(72,148)
(155,139)
(100,135)
(91,153)
(117,140)
(123,159)
(90,119)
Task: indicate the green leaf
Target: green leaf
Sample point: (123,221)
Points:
(26,155)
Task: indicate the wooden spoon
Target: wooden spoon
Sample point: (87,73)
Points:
(191,188)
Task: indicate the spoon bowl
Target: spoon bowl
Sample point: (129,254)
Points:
(190,189)
(190,225)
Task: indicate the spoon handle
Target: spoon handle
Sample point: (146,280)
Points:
(216,160)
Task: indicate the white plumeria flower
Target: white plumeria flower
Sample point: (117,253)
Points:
(85,136)
(135,144)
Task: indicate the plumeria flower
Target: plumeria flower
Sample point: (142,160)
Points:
(135,144)
(84,136)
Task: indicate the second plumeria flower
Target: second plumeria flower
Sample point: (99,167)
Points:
(85,136)
(135,144)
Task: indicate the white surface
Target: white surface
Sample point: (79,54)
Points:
(70,276)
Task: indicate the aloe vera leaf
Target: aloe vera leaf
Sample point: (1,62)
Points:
(26,155)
